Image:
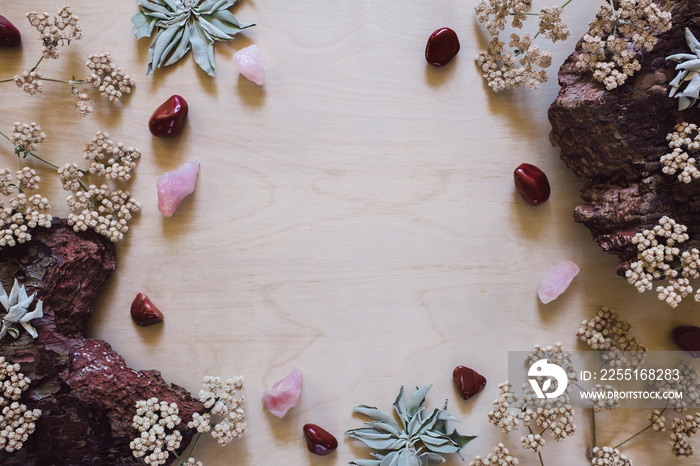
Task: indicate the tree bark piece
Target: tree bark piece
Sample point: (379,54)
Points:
(614,140)
(85,390)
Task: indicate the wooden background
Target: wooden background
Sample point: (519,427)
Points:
(355,217)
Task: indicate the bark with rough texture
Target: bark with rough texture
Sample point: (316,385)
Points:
(614,139)
(85,390)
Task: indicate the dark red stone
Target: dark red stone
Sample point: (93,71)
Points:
(531,183)
(319,441)
(9,34)
(469,382)
(169,118)
(688,339)
(144,312)
(442,46)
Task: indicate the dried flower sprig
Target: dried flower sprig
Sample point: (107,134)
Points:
(616,37)
(17,422)
(499,457)
(660,257)
(507,69)
(17,306)
(225,418)
(420,437)
(685,144)
(609,333)
(155,421)
(98,207)
(183,25)
(687,78)
(538,415)
(61,29)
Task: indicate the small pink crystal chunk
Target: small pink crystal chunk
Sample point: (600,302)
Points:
(249,62)
(284,394)
(556,280)
(175,186)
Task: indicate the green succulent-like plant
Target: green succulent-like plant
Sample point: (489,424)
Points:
(183,25)
(418,439)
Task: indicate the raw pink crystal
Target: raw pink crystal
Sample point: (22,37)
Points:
(176,185)
(249,62)
(284,394)
(556,280)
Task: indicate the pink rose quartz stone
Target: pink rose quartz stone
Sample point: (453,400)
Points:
(249,62)
(175,186)
(556,280)
(284,394)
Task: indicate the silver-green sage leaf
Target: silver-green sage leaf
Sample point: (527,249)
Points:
(17,306)
(184,25)
(419,439)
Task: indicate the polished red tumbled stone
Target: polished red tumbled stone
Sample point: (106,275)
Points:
(688,339)
(144,312)
(469,382)
(9,34)
(169,117)
(531,183)
(319,441)
(442,46)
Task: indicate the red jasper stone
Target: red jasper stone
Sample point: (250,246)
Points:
(442,46)
(144,312)
(9,34)
(469,382)
(319,441)
(531,183)
(688,339)
(169,118)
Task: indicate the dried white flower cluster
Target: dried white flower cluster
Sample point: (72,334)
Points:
(111,81)
(687,383)
(26,137)
(609,333)
(657,420)
(226,415)
(684,141)
(107,212)
(156,421)
(109,160)
(608,456)
(507,69)
(20,213)
(30,82)
(59,29)
(17,422)
(659,257)
(500,457)
(533,442)
(683,429)
(617,36)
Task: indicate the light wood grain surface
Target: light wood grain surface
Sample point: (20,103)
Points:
(355,217)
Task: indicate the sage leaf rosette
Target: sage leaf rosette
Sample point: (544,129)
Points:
(418,439)
(17,306)
(688,73)
(182,25)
